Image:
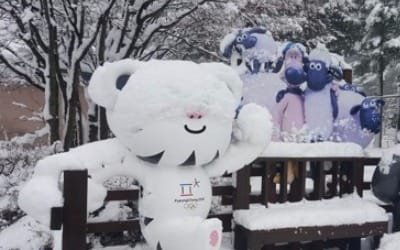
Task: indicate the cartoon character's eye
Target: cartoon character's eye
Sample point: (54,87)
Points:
(244,36)
(318,66)
(365,105)
(312,66)
(239,39)
(372,104)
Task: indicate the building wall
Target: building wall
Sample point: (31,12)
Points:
(19,109)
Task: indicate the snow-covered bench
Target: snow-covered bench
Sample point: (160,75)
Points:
(330,214)
(73,216)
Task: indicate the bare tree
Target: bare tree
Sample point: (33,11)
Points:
(55,41)
(138,30)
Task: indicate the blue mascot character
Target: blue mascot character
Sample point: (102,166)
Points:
(335,114)
(320,104)
(386,186)
(173,123)
(369,113)
(253,53)
(354,88)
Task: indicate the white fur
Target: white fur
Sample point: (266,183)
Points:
(148,116)
(102,83)
(319,113)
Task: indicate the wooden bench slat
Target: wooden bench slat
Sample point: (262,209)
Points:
(265,184)
(113,226)
(283,190)
(272,196)
(319,180)
(222,190)
(242,194)
(118,195)
(333,186)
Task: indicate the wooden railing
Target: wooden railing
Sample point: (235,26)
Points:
(72,217)
(345,177)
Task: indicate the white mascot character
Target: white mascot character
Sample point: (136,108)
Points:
(176,124)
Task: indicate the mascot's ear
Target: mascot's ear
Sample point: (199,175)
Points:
(227,75)
(306,60)
(109,79)
(228,42)
(257,30)
(278,65)
(306,66)
(336,72)
(354,110)
(227,51)
(380,102)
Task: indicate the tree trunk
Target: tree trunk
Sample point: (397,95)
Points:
(53,101)
(104,129)
(398,115)
(72,132)
(381,89)
(53,120)
(93,118)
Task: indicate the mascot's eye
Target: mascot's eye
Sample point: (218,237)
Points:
(312,66)
(373,104)
(244,36)
(318,66)
(365,105)
(239,39)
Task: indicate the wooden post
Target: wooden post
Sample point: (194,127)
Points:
(74,212)
(334,184)
(298,187)
(283,192)
(319,180)
(265,182)
(272,196)
(357,175)
(241,198)
(348,75)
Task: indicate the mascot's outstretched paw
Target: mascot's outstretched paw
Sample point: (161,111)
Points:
(254,125)
(210,235)
(38,196)
(96,195)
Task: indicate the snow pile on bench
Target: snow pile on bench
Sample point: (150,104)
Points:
(332,212)
(319,149)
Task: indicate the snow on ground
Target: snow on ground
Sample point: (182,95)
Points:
(226,245)
(25,234)
(320,149)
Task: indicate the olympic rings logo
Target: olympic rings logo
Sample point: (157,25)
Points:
(190,205)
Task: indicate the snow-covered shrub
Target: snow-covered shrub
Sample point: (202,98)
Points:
(16,166)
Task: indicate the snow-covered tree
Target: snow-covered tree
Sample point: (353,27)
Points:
(343,21)
(379,50)
(55,41)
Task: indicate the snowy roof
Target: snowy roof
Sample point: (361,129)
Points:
(332,212)
(320,149)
